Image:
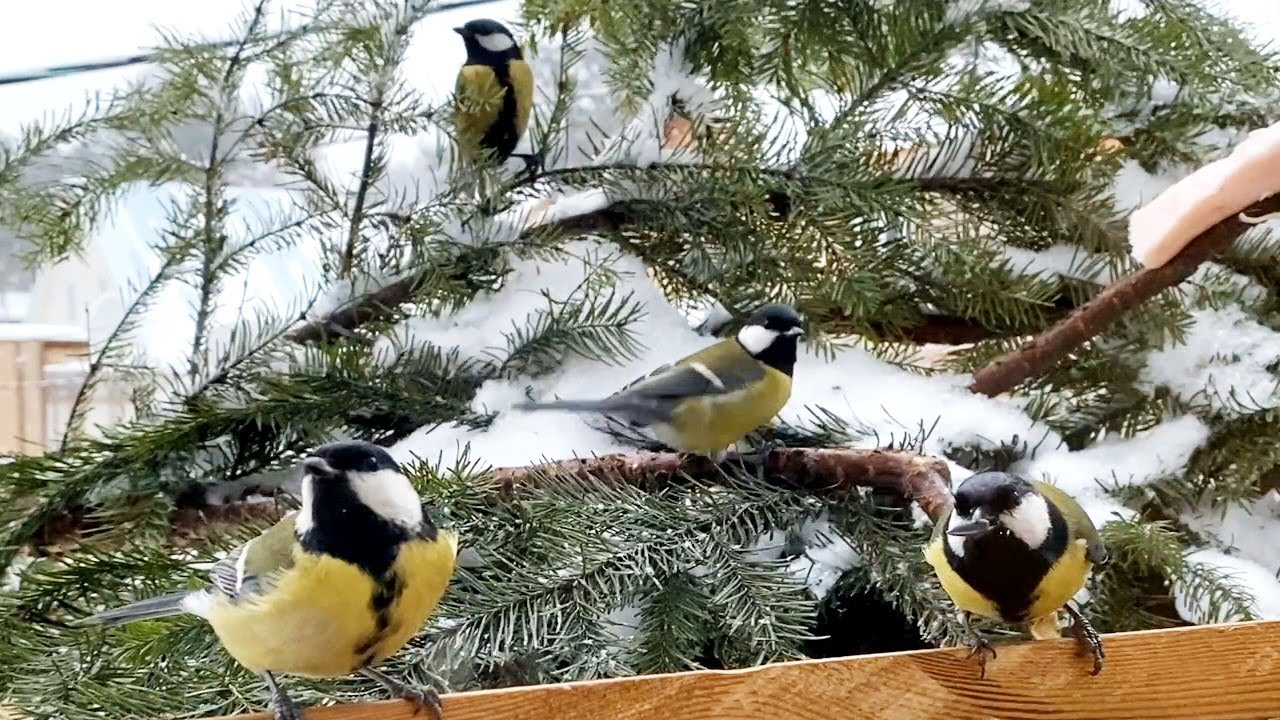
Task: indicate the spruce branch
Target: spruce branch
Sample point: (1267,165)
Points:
(214,213)
(1039,354)
(825,471)
(110,352)
(383,302)
(383,67)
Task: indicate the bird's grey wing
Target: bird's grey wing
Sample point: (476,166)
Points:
(653,397)
(249,569)
(693,377)
(225,575)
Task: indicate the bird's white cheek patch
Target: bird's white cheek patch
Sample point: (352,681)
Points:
(496,42)
(390,495)
(756,338)
(303,521)
(955,543)
(1030,521)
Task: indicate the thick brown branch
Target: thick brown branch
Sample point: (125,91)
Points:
(830,472)
(1039,354)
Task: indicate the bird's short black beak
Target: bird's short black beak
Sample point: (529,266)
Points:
(795,331)
(318,467)
(971,529)
(461,31)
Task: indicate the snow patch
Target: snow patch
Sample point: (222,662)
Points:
(1061,260)
(1223,361)
(1149,456)
(825,559)
(1252,531)
(1250,576)
(961,10)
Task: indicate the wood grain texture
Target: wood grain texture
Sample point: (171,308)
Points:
(1218,672)
(31,374)
(10,399)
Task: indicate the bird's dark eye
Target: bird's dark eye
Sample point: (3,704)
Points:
(370,464)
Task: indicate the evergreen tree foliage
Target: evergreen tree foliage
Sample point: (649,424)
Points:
(915,172)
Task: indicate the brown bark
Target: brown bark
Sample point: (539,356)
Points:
(1039,354)
(829,472)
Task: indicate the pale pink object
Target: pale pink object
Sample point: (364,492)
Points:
(1162,227)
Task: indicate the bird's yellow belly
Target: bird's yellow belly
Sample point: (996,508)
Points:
(1062,581)
(319,620)
(718,421)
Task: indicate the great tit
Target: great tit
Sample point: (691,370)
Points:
(1016,551)
(494,92)
(331,589)
(711,399)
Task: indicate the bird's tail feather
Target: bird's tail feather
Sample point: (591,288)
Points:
(156,607)
(627,410)
(578,405)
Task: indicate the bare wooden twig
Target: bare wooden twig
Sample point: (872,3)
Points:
(1039,354)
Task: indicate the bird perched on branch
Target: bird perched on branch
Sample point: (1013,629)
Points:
(494,93)
(331,589)
(1017,551)
(713,398)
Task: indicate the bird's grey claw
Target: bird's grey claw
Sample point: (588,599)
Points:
(424,699)
(284,709)
(282,706)
(761,452)
(984,651)
(1087,638)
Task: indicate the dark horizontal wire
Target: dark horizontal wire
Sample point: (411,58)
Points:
(138,58)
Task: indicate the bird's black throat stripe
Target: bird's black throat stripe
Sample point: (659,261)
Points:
(1005,570)
(502,137)
(780,356)
(385,591)
(346,529)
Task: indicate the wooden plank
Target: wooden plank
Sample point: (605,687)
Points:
(1215,672)
(31,370)
(10,398)
(59,352)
